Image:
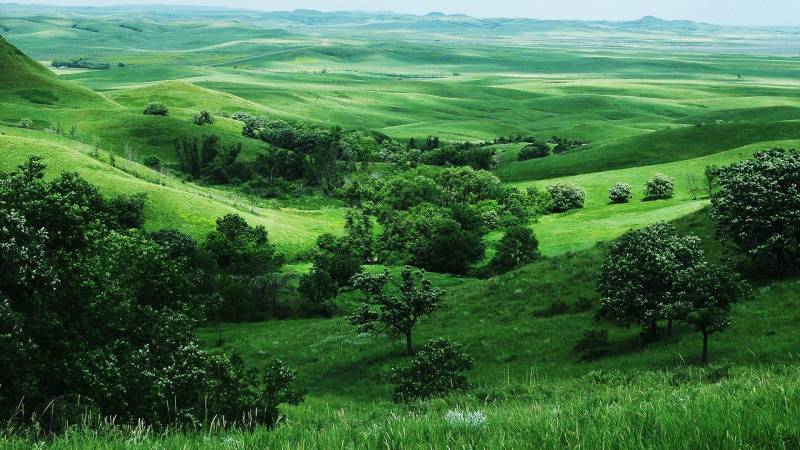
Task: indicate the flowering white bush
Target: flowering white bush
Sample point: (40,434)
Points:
(564,197)
(619,193)
(469,419)
(660,186)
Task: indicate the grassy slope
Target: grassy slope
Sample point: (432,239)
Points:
(171,203)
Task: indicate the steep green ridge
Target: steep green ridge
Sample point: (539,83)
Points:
(24,80)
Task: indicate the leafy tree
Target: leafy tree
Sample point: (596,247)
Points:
(757,205)
(156,109)
(638,277)
(564,197)
(395,315)
(518,247)
(153,162)
(704,294)
(128,209)
(335,263)
(359,236)
(534,150)
(319,288)
(435,238)
(620,193)
(437,370)
(242,250)
(659,187)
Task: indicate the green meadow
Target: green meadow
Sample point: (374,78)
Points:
(648,99)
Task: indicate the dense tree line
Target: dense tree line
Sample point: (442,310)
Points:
(98,318)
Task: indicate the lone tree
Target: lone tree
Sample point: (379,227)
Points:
(637,279)
(704,294)
(395,315)
(757,205)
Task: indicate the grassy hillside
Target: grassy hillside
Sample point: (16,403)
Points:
(648,96)
(171,203)
(25,81)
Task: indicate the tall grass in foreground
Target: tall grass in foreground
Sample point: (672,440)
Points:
(746,408)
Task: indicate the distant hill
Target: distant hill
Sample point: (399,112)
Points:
(23,79)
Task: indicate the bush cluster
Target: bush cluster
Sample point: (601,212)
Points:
(156,109)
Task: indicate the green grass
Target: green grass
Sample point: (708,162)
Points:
(636,96)
(748,409)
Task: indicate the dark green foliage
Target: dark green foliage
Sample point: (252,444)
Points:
(395,315)
(435,238)
(335,263)
(518,247)
(436,371)
(96,318)
(638,277)
(202,118)
(209,160)
(564,197)
(593,344)
(128,209)
(359,236)
(659,187)
(245,263)
(704,297)
(241,250)
(534,150)
(156,109)
(757,204)
(466,154)
(565,144)
(153,162)
(81,63)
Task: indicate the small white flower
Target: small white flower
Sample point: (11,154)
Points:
(468,419)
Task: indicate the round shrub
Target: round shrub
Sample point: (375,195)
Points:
(659,187)
(619,193)
(535,150)
(25,123)
(564,197)
(153,162)
(436,371)
(204,117)
(156,109)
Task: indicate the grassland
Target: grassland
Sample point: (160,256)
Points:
(647,101)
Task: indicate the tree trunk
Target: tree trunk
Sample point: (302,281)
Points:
(669,325)
(409,343)
(654,329)
(705,347)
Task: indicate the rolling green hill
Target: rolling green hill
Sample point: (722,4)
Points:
(648,96)
(23,80)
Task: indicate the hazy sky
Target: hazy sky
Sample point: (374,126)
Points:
(723,12)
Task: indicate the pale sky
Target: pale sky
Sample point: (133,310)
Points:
(721,12)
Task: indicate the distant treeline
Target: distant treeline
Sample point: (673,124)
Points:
(82,63)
